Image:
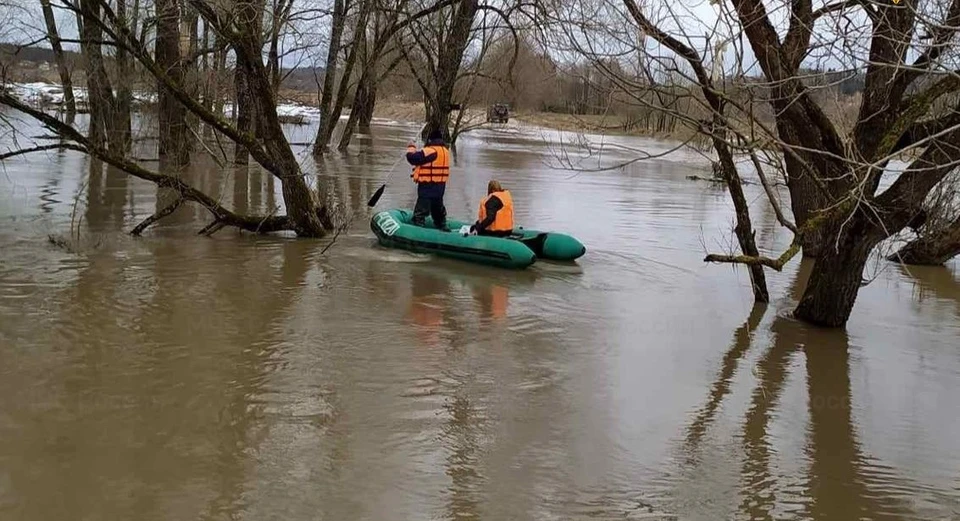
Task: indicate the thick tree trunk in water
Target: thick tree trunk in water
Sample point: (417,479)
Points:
(99,93)
(245,116)
(191,70)
(122,119)
(360,98)
(309,221)
(932,248)
(837,272)
(218,67)
(69,102)
(172,115)
(345,79)
(297,196)
(367,102)
(327,120)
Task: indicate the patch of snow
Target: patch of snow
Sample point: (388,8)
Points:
(39,93)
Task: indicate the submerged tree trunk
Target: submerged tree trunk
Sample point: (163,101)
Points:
(308,219)
(838,272)
(99,93)
(124,101)
(744,228)
(356,111)
(171,113)
(931,248)
(69,102)
(246,119)
(368,102)
(190,65)
(327,120)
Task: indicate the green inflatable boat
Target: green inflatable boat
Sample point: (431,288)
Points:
(394,229)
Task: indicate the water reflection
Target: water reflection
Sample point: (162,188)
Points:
(840,478)
(108,194)
(428,305)
(492,300)
(934,283)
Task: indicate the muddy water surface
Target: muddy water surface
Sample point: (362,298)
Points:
(174,377)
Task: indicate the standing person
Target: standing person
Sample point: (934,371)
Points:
(431,171)
(495,216)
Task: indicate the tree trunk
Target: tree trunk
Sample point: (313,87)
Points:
(309,221)
(172,116)
(744,229)
(327,119)
(69,102)
(448,68)
(245,116)
(356,111)
(121,121)
(367,94)
(218,67)
(931,248)
(281,13)
(837,272)
(191,70)
(99,93)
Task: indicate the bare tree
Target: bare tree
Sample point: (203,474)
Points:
(441,44)
(833,177)
(63,69)
(331,105)
(381,50)
(172,115)
(238,26)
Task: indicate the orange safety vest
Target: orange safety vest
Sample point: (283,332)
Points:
(436,171)
(503,222)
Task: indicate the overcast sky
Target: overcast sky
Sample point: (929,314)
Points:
(689,20)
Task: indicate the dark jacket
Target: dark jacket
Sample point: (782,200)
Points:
(419,158)
(493,205)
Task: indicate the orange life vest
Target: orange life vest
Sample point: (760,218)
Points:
(436,171)
(503,222)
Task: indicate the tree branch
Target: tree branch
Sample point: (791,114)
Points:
(797,40)
(838,6)
(924,130)
(143,56)
(169,209)
(58,146)
(770,195)
(221,214)
(941,35)
(776,264)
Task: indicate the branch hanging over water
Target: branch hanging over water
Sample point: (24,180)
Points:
(259,224)
(58,146)
(776,264)
(157,216)
(770,195)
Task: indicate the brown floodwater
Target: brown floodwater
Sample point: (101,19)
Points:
(175,377)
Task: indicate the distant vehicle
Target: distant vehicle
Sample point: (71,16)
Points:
(498,113)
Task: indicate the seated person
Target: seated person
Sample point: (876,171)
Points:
(495,217)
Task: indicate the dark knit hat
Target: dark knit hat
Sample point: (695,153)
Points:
(435,135)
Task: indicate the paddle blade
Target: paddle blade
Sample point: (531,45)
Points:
(376,196)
